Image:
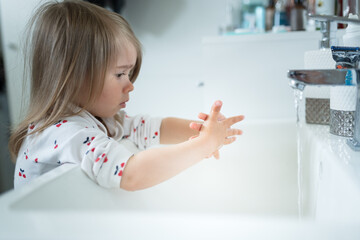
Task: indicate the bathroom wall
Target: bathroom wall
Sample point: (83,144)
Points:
(171,33)
(13,32)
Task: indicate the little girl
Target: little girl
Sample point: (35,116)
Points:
(83,63)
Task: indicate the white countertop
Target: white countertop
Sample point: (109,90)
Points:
(124,225)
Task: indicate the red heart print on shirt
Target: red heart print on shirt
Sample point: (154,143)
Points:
(25,153)
(122,165)
(59,123)
(92,150)
(155,134)
(88,140)
(103,156)
(22,173)
(117,172)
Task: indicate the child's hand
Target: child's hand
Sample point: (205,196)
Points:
(197,126)
(217,128)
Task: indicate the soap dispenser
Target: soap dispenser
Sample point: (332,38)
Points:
(317,100)
(343,98)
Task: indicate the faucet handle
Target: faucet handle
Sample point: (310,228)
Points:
(335,19)
(325,26)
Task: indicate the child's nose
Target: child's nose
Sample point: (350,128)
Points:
(129,87)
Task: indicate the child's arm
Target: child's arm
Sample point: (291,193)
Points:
(176,130)
(156,165)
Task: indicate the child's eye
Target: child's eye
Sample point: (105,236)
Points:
(119,75)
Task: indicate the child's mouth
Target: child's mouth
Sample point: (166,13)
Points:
(123,104)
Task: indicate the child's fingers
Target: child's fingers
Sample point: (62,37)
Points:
(195,126)
(203,116)
(229,140)
(215,110)
(232,120)
(233,131)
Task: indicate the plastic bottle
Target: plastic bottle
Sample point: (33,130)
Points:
(252,15)
(280,17)
(298,16)
(269,12)
(232,17)
(325,7)
(260,18)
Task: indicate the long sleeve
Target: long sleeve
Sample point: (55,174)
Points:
(84,140)
(142,130)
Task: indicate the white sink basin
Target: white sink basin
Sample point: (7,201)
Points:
(251,192)
(255,175)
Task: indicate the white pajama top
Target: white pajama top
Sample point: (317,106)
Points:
(84,140)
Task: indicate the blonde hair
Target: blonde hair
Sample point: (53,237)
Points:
(70,47)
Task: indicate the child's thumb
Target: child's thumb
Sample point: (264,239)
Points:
(215,110)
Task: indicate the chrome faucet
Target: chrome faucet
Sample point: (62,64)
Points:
(330,77)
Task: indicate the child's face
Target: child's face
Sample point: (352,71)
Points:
(117,85)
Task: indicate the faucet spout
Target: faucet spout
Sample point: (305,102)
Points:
(299,79)
(319,77)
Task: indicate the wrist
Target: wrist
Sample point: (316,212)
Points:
(205,145)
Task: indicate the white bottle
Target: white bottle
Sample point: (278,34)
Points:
(325,7)
(351,37)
